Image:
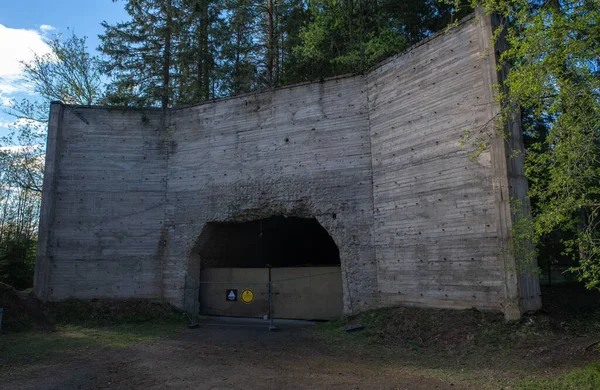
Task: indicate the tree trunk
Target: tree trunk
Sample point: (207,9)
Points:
(270,48)
(205,50)
(167,56)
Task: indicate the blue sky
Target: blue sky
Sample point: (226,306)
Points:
(24,24)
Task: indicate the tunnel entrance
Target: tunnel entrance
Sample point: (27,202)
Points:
(274,242)
(296,256)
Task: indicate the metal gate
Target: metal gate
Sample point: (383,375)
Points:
(308,293)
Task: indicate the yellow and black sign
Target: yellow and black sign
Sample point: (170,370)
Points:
(247,296)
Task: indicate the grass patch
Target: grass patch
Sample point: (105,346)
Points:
(29,347)
(89,325)
(432,329)
(476,348)
(587,378)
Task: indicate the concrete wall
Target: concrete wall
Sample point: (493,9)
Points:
(301,151)
(376,159)
(103,204)
(436,226)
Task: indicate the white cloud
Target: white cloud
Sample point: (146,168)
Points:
(47,28)
(20,148)
(18,45)
(20,122)
(5,101)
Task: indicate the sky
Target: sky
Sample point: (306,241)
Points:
(25,24)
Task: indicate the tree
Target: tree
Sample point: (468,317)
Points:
(139,54)
(353,35)
(555,78)
(68,74)
(239,49)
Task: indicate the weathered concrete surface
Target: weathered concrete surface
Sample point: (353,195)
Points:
(103,206)
(376,159)
(442,221)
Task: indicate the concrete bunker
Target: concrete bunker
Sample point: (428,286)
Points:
(297,255)
(378,159)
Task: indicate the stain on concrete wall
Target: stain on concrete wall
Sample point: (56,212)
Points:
(375,158)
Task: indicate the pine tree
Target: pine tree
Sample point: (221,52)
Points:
(240,50)
(139,53)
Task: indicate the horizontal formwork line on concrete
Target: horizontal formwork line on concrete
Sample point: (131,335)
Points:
(440,257)
(449,248)
(458,47)
(420,85)
(447,252)
(402,114)
(488,302)
(401,242)
(399,235)
(409,189)
(446,140)
(329,147)
(419,281)
(245,182)
(212,170)
(460,211)
(436,289)
(428,175)
(435,60)
(338,141)
(429,172)
(268,120)
(357,159)
(447,157)
(408,186)
(413,239)
(432,267)
(437,197)
(400,280)
(468,297)
(424,88)
(403,104)
(424,219)
(416,132)
(324,127)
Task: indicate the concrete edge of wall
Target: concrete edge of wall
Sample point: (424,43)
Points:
(42,264)
(372,69)
(509,181)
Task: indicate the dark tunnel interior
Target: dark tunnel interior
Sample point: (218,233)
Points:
(271,242)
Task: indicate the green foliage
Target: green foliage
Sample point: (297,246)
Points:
(19,349)
(18,242)
(351,36)
(522,244)
(139,53)
(587,378)
(69,74)
(174,52)
(554,51)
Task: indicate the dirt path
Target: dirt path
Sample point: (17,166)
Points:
(223,357)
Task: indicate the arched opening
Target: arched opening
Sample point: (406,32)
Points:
(270,242)
(296,255)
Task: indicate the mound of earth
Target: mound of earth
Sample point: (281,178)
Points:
(22,310)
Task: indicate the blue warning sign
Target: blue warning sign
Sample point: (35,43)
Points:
(231,295)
